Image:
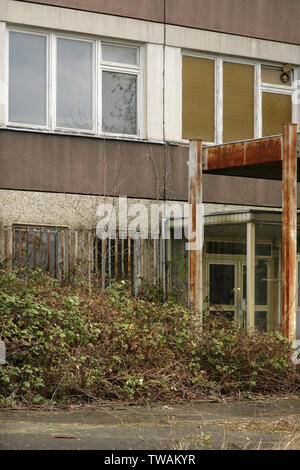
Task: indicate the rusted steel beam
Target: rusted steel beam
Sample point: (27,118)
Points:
(195,198)
(249,152)
(289,231)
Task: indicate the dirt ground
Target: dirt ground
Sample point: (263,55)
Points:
(270,424)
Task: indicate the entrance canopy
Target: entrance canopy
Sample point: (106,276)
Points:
(257,158)
(274,158)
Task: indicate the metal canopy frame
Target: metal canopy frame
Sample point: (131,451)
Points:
(272,157)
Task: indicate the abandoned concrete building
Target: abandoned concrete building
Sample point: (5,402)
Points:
(101,99)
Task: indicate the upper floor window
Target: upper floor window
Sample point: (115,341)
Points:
(224,99)
(73,84)
(28,78)
(119,89)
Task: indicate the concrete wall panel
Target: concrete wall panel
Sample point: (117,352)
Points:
(276,20)
(83,165)
(152,10)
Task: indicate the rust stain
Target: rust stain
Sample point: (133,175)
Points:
(289,231)
(195,197)
(243,153)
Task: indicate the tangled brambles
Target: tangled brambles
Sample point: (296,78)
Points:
(65,344)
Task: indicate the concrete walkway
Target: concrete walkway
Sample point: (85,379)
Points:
(268,424)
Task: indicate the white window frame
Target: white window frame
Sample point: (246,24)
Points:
(118,67)
(98,67)
(259,88)
(48,99)
(56,128)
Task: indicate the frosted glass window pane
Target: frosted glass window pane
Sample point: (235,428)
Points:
(198,99)
(238,101)
(276,111)
(120,54)
(74,84)
(119,103)
(27,78)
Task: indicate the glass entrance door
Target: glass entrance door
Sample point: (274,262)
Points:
(227,290)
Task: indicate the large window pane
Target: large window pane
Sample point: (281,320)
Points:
(74,84)
(27,78)
(261,285)
(198,99)
(221,284)
(120,54)
(119,103)
(276,111)
(238,101)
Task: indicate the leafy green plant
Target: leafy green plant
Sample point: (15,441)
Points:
(68,343)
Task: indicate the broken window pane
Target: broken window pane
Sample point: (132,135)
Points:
(74,84)
(119,103)
(120,54)
(27,78)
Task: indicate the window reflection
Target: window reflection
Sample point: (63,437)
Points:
(119,106)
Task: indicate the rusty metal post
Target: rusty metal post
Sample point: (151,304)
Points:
(250,275)
(195,228)
(289,231)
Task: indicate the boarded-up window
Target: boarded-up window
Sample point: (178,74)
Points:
(238,101)
(276,111)
(198,99)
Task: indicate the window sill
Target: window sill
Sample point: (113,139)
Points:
(83,134)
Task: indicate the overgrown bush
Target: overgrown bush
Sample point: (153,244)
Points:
(65,343)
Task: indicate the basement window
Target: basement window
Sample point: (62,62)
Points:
(40,247)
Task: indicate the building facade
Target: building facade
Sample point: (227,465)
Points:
(100,99)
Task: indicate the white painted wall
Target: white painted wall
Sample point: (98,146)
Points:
(3,73)
(65,19)
(221,43)
(173,93)
(154,92)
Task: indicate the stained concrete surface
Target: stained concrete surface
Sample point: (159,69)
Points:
(271,424)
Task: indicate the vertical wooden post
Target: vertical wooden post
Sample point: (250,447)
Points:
(195,200)
(289,231)
(250,274)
